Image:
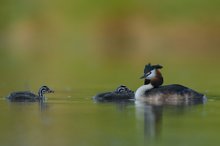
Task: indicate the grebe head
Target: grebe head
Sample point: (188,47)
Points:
(150,71)
(123,89)
(43,90)
(153,79)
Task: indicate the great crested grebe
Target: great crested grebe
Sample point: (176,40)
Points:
(121,93)
(153,92)
(27,96)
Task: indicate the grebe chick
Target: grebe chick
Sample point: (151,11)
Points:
(27,96)
(153,93)
(120,94)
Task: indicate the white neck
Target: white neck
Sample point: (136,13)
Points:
(139,94)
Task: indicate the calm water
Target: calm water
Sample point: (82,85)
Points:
(70,117)
(73,118)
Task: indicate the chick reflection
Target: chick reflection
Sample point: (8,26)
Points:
(122,106)
(151,115)
(43,106)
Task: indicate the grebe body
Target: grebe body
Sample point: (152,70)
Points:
(121,93)
(171,94)
(27,96)
(152,91)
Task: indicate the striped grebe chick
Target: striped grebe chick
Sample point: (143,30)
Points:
(27,96)
(121,93)
(153,93)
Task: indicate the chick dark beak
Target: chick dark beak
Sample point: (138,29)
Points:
(50,91)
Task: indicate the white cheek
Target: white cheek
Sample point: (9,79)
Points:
(152,75)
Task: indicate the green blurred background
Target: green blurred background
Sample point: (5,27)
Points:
(80,48)
(97,44)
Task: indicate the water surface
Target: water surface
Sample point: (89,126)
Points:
(73,118)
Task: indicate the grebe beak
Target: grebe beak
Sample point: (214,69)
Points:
(143,77)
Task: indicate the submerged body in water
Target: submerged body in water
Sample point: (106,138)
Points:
(153,93)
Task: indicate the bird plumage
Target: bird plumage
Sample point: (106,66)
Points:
(153,92)
(121,93)
(27,96)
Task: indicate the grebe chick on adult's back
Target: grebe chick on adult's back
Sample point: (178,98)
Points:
(27,96)
(152,92)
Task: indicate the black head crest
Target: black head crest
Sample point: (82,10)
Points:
(157,66)
(150,67)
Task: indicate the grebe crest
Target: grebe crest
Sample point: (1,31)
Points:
(152,75)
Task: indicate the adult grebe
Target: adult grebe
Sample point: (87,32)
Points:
(27,96)
(153,92)
(121,93)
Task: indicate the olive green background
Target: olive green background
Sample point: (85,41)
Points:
(81,48)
